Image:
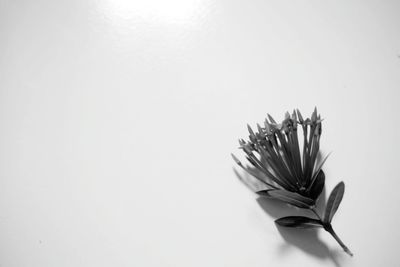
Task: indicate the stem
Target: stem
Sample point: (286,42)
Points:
(329,229)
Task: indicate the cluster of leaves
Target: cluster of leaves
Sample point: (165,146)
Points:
(304,222)
(291,176)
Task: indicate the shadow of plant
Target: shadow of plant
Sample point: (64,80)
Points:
(306,240)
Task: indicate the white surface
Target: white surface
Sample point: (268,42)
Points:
(118,117)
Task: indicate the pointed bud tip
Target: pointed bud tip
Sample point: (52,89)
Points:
(236,159)
(270,118)
(299,115)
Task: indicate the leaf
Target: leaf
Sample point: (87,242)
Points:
(317,186)
(318,168)
(333,202)
(298,222)
(293,198)
(264,193)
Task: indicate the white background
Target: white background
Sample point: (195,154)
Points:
(117,120)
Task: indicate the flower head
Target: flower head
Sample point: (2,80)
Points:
(277,161)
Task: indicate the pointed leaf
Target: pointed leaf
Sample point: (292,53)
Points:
(317,186)
(333,202)
(264,193)
(318,168)
(293,198)
(298,222)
